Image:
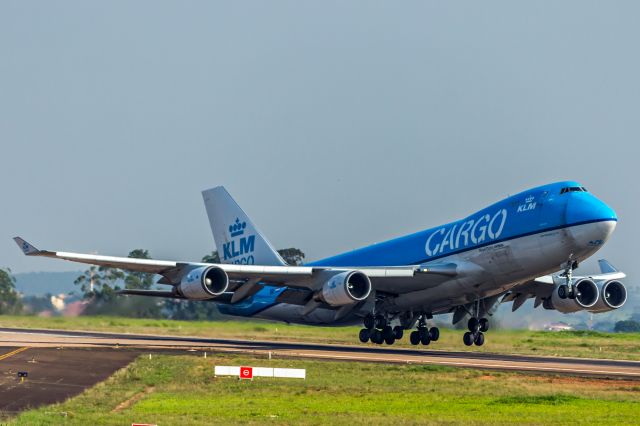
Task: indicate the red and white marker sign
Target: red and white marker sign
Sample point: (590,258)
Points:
(246,372)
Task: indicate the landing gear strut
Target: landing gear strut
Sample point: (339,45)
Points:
(567,290)
(424,334)
(477,328)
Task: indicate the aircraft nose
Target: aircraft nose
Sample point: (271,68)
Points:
(584,208)
(599,220)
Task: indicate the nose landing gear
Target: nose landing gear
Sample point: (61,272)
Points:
(568,290)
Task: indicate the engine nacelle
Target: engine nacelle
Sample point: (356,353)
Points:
(345,288)
(613,294)
(204,283)
(586,298)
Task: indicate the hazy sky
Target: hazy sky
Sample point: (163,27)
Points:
(333,124)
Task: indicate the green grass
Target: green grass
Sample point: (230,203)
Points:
(181,390)
(587,344)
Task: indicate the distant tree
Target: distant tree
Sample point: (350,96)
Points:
(9,300)
(138,280)
(292,256)
(212,257)
(628,326)
(99,283)
(191,309)
(36,304)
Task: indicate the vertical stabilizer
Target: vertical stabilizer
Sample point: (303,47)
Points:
(237,238)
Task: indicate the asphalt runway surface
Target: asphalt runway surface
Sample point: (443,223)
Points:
(598,368)
(54,374)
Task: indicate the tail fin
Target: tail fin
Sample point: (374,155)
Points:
(237,238)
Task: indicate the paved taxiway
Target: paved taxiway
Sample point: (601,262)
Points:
(551,365)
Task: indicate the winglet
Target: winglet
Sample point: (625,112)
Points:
(606,267)
(26,248)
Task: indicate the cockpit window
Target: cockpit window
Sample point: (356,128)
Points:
(573,189)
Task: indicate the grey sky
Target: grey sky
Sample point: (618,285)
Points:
(334,124)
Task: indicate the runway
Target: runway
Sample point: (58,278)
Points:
(600,368)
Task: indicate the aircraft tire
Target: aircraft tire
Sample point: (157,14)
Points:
(484,325)
(424,336)
(398,332)
(434,334)
(390,340)
(380,322)
(376,337)
(479,340)
(467,338)
(364,335)
(472,325)
(369,322)
(387,332)
(414,337)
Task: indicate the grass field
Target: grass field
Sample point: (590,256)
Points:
(574,344)
(181,390)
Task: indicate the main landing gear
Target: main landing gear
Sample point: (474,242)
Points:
(477,328)
(378,330)
(424,334)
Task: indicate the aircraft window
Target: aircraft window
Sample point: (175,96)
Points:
(573,189)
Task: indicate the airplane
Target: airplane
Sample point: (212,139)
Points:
(525,246)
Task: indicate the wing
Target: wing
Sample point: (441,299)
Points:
(394,280)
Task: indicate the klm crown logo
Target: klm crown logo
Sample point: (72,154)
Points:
(529,199)
(237,228)
(239,249)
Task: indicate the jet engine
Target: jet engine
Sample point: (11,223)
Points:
(586,297)
(203,283)
(345,288)
(613,295)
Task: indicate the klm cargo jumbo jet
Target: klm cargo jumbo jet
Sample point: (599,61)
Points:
(525,246)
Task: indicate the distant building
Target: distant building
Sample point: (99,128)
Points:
(558,326)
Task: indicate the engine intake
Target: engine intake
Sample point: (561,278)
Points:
(586,297)
(613,294)
(345,288)
(207,282)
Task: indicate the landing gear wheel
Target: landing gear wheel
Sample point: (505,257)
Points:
(473,324)
(414,337)
(369,322)
(479,340)
(484,325)
(387,333)
(376,337)
(562,291)
(398,332)
(468,338)
(434,334)
(364,335)
(424,336)
(380,322)
(390,340)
